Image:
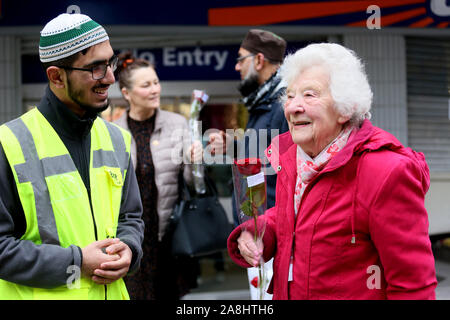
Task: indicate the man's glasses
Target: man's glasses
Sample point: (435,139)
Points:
(240,59)
(98,71)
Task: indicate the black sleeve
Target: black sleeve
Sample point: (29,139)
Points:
(9,197)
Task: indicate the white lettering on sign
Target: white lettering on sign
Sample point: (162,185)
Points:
(440,8)
(197,57)
(169,57)
(146,55)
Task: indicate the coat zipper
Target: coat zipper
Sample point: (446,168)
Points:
(92,213)
(95,229)
(307,189)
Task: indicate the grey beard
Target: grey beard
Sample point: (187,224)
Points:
(248,85)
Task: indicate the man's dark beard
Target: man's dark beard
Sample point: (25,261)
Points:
(248,85)
(90,110)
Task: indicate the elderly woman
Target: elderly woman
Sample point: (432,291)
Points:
(158,140)
(349,220)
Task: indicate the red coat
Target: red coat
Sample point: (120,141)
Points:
(374,190)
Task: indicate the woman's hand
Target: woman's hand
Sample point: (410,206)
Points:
(250,250)
(196,152)
(217,143)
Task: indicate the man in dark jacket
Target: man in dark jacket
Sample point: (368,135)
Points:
(79,77)
(260,57)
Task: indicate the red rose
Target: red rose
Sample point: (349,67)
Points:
(248,166)
(254,282)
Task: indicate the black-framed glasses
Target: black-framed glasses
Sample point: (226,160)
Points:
(98,71)
(240,59)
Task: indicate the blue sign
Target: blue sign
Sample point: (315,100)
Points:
(200,63)
(193,63)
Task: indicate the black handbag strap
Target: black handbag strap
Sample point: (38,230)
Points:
(211,189)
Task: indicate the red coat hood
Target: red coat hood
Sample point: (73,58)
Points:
(367,138)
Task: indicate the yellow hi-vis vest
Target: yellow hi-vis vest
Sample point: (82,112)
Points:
(55,200)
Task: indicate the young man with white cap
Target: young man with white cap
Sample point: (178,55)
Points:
(70,209)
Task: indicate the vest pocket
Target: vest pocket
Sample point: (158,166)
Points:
(115,176)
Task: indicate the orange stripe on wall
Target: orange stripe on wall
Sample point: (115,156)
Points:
(270,14)
(422,23)
(443,25)
(362,23)
(397,17)
(393,18)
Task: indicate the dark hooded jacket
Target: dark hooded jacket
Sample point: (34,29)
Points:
(265,113)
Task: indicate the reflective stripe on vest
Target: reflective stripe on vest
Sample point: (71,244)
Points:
(51,190)
(108,158)
(30,171)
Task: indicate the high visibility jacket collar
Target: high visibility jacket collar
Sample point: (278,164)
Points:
(63,120)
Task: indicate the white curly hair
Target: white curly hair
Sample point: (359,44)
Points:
(349,85)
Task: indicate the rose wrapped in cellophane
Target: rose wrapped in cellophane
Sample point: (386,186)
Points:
(199,98)
(251,202)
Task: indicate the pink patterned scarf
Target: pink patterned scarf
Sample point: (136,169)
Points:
(308,168)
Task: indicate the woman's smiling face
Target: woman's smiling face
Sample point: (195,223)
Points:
(310,112)
(146,90)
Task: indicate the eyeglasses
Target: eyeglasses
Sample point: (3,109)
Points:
(98,71)
(240,59)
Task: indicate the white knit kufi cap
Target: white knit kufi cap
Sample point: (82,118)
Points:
(68,34)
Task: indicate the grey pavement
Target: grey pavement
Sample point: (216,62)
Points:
(443,275)
(233,284)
